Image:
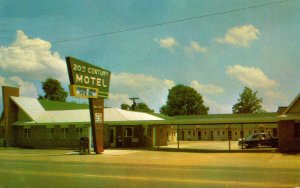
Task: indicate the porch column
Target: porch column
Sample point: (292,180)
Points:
(242,135)
(158,136)
(177,136)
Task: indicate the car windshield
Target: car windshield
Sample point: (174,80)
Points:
(252,136)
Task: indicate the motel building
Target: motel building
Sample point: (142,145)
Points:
(32,123)
(215,127)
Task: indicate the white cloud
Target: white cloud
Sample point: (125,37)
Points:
(168,43)
(275,95)
(216,108)
(151,90)
(194,48)
(240,36)
(251,76)
(209,88)
(32,58)
(116,99)
(273,99)
(27,89)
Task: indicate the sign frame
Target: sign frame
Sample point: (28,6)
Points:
(74,91)
(85,75)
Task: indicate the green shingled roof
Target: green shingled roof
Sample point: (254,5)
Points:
(58,105)
(214,119)
(211,119)
(225,116)
(180,120)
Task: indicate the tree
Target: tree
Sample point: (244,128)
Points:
(53,90)
(184,100)
(125,106)
(248,103)
(143,107)
(163,109)
(139,107)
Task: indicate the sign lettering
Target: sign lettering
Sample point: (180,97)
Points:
(88,76)
(98,118)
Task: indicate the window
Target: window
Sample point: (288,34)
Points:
(199,135)
(79,132)
(128,132)
(218,133)
(64,133)
(27,133)
(297,130)
(50,133)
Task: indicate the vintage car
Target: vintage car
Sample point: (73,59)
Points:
(258,139)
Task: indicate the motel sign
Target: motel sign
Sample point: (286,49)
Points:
(87,81)
(92,82)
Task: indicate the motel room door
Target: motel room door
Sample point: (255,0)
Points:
(199,135)
(211,135)
(113,137)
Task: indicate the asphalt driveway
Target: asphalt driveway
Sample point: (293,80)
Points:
(147,168)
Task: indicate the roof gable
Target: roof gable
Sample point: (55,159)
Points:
(30,106)
(23,116)
(294,107)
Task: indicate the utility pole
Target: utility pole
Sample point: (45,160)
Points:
(134,103)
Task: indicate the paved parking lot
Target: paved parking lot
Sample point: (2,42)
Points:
(205,145)
(147,168)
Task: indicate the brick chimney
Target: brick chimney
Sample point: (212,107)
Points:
(10,114)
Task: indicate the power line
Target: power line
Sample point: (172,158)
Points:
(154,25)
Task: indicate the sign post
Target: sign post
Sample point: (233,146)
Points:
(229,137)
(97,117)
(92,82)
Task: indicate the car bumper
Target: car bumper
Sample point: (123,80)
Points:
(242,144)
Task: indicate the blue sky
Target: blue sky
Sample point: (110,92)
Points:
(216,53)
